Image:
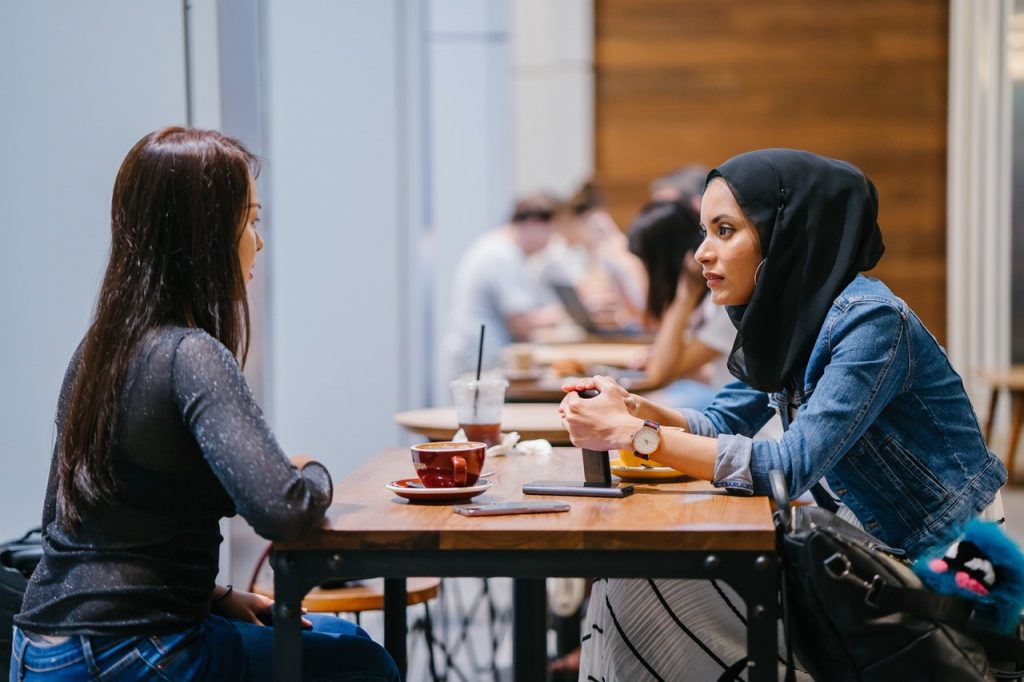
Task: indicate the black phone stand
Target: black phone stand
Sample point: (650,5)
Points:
(597,476)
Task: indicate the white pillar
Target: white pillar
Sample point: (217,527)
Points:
(979,172)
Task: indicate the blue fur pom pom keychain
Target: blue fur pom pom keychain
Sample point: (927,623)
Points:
(984,565)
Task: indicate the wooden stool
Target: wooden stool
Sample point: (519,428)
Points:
(364,595)
(1011,379)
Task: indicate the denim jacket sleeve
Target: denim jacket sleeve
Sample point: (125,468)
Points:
(737,413)
(865,351)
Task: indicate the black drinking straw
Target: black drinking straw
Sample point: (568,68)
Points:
(480,352)
(479,361)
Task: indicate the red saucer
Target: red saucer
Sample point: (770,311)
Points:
(412,489)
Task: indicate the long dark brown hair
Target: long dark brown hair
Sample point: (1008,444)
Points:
(179,202)
(660,236)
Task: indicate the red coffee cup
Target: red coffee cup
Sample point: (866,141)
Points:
(448,464)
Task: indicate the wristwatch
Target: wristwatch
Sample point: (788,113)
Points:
(647,439)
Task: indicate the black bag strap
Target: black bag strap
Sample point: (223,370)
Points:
(924,603)
(783,606)
(823,498)
(999,647)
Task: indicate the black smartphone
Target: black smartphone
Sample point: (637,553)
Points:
(578,488)
(522,507)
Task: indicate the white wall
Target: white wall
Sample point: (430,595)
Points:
(979,191)
(553,91)
(469,142)
(81,83)
(335,230)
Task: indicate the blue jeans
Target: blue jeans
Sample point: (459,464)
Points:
(216,649)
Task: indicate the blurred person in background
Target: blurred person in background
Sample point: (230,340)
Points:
(492,288)
(685,185)
(694,337)
(590,252)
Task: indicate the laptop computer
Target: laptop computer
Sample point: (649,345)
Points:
(580,315)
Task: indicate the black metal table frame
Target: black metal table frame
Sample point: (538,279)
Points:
(753,574)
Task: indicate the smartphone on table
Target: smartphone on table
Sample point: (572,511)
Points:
(521,507)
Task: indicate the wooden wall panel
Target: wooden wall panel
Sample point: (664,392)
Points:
(683,81)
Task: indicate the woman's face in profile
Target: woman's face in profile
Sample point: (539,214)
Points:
(250,242)
(731,250)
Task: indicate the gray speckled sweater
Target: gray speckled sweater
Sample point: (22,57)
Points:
(192,446)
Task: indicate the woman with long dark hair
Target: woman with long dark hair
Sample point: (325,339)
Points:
(159,437)
(694,336)
(879,425)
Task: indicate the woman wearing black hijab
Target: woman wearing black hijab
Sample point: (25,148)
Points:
(873,408)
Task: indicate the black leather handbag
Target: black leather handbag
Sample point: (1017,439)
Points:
(853,609)
(18,558)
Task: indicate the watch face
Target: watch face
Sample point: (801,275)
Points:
(646,440)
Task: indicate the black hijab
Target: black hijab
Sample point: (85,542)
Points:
(818,223)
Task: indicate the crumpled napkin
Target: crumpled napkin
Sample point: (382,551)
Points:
(534,447)
(509,444)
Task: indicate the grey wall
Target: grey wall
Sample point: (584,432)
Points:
(80,83)
(470,140)
(336,232)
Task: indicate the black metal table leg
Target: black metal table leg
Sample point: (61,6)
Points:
(287,622)
(567,633)
(395,622)
(529,644)
(761,595)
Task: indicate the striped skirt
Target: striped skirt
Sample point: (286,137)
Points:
(671,630)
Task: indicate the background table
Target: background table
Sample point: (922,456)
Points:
(579,335)
(1010,379)
(530,420)
(611,354)
(668,530)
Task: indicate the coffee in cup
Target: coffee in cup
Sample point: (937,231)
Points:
(478,408)
(448,464)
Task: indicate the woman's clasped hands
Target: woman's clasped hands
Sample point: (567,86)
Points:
(604,422)
(247,607)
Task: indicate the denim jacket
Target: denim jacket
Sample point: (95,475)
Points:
(882,417)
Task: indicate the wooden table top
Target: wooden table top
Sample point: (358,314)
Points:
(549,389)
(612,354)
(530,420)
(541,391)
(1011,377)
(684,515)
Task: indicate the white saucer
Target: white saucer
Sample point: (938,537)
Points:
(410,489)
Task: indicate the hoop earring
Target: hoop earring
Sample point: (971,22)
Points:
(757,272)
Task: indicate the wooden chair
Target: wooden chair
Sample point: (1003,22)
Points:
(1010,379)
